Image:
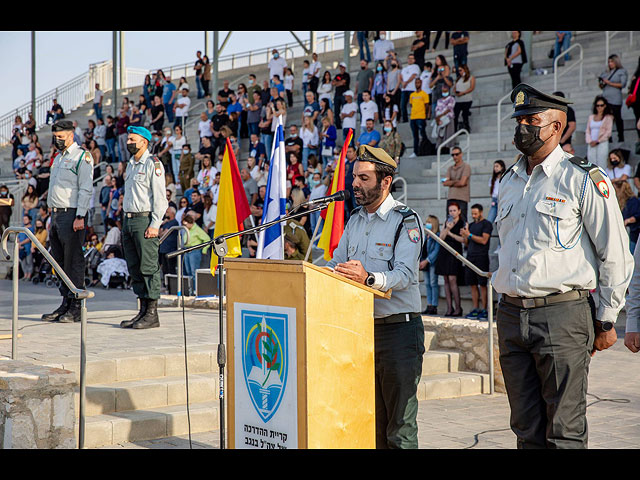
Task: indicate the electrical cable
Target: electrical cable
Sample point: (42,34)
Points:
(186,368)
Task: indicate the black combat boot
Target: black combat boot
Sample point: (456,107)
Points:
(150,318)
(143,310)
(62,309)
(73,314)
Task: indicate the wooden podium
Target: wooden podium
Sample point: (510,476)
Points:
(300,357)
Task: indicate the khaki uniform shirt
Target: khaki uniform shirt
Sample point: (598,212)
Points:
(558,233)
(144,188)
(297,231)
(71,180)
(370,240)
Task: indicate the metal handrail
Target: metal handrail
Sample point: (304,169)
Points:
(181,242)
(80,294)
(481,273)
(401,198)
(608,36)
(501,119)
(466,149)
(96,180)
(556,75)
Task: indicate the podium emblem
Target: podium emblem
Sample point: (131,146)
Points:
(265,359)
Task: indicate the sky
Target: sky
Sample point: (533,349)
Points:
(61,56)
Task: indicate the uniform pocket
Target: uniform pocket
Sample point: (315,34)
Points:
(555,219)
(380,257)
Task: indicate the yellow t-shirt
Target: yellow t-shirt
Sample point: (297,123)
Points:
(418,100)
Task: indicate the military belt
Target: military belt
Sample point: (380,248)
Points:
(396,318)
(136,214)
(534,302)
(61,210)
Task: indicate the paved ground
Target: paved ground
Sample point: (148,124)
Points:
(469,422)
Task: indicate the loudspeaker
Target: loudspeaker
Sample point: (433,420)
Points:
(206,284)
(171,281)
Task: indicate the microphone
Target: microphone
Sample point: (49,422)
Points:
(341,196)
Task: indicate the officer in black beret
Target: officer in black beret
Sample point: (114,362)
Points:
(562,236)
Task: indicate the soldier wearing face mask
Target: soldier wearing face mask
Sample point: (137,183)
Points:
(69,197)
(561,235)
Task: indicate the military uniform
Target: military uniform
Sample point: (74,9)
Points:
(388,244)
(561,235)
(297,232)
(69,197)
(144,205)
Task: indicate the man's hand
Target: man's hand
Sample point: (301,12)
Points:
(78,224)
(151,232)
(423,264)
(353,270)
(603,340)
(632,341)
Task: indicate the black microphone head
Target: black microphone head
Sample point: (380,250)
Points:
(345,195)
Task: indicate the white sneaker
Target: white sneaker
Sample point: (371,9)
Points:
(413,155)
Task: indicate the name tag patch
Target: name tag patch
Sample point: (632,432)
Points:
(553,199)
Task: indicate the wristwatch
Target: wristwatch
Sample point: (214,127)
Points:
(370,280)
(605,326)
(79,217)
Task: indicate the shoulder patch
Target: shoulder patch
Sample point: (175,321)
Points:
(410,221)
(597,175)
(157,166)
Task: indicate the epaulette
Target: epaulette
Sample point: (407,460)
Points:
(597,176)
(411,224)
(508,169)
(157,165)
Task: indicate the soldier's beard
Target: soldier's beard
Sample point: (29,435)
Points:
(367,197)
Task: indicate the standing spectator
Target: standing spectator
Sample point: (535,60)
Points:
(266,126)
(148,90)
(250,185)
(428,260)
(258,150)
(341,83)
(419,102)
(563,42)
(446,40)
(348,114)
(314,70)
(311,107)
(253,87)
(97,102)
(185,169)
(379,89)
(425,76)
(220,120)
(442,77)
(476,236)
(449,266)
(394,85)
(181,108)
(6,207)
(306,76)
(381,47)
(460,42)
(612,81)
(30,202)
(204,127)
(443,127)
(407,83)
(363,42)
(565,140)
(368,109)
(111,138)
(257,206)
(310,140)
(318,190)
(170,244)
(390,110)
(158,114)
(244,103)
(206,76)
(288,85)
(635,104)
(328,136)
(515,56)
(169,92)
(209,214)
(419,47)
(325,111)
(24,252)
(598,131)
(494,188)
(253,114)
(198,73)
(630,207)
(458,176)
(391,141)
(99,135)
(617,169)
(465,85)
(277,64)
(369,135)
(193,258)
(103,196)
(121,132)
(325,88)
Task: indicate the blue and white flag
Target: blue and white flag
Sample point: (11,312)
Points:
(271,240)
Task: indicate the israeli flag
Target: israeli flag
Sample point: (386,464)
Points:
(271,240)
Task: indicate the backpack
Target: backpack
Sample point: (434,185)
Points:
(426,148)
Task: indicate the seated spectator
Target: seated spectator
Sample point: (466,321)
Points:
(314,166)
(291,249)
(170,244)
(195,209)
(428,259)
(250,186)
(224,93)
(293,143)
(24,251)
(370,136)
(257,206)
(328,136)
(294,167)
(617,169)
(206,149)
(209,214)
(55,113)
(206,175)
(113,236)
(194,187)
(442,124)
(112,265)
(260,175)
(299,182)
(40,231)
(183,204)
(257,150)
(630,207)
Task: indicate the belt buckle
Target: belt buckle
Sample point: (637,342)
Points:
(528,302)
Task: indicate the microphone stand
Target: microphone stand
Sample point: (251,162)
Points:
(220,246)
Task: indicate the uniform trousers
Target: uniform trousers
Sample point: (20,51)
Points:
(545,354)
(398,367)
(142,257)
(66,248)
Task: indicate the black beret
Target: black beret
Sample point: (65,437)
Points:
(62,125)
(527,101)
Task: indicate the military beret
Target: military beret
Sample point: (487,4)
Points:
(143,132)
(62,125)
(367,153)
(527,101)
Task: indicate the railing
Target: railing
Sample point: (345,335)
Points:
(466,149)
(176,228)
(608,36)
(80,294)
(487,275)
(580,63)
(500,120)
(403,196)
(17,188)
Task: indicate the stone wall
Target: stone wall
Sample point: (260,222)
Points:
(471,338)
(36,406)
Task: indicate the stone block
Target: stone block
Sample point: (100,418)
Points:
(434,363)
(201,389)
(470,384)
(139,426)
(141,395)
(139,366)
(199,362)
(63,411)
(99,400)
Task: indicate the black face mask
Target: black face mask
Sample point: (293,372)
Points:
(131,147)
(615,163)
(527,138)
(59,143)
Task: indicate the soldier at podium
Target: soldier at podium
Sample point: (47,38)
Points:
(380,247)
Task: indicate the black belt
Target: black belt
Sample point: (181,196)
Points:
(61,210)
(136,214)
(523,302)
(396,318)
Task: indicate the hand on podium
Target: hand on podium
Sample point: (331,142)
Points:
(353,270)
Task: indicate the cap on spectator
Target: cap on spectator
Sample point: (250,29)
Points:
(348,93)
(367,153)
(143,132)
(528,101)
(342,64)
(62,125)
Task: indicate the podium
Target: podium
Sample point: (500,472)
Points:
(300,357)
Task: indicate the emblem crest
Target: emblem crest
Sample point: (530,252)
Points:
(264,359)
(520,98)
(603,189)
(414,235)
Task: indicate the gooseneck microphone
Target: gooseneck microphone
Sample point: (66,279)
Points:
(341,196)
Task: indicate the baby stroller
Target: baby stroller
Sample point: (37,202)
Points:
(45,275)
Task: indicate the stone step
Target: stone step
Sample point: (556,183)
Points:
(452,385)
(435,362)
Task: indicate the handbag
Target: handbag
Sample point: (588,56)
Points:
(601,84)
(631,98)
(327,151)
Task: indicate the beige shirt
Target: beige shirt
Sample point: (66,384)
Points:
(456,173)
(558,233)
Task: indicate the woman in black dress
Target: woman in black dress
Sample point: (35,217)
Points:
(447,265)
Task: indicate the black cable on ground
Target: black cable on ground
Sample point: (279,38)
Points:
(186,368)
